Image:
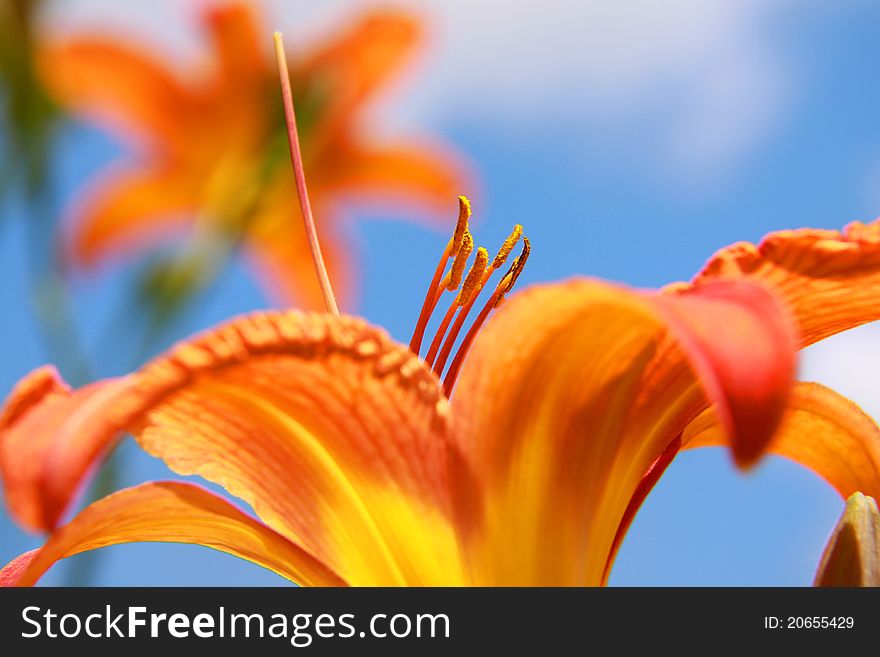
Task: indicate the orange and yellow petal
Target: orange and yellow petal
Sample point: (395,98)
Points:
(127,89)
(170,512)
(829,278)
(852,555)
(333,433)
(822,431)
(128,209)
(646,485)
(549,413)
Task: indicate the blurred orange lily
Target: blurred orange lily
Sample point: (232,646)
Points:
(526,468)
(210,150)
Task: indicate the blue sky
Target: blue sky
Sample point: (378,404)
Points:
(631,140)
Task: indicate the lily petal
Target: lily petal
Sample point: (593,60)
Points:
(823,431)
(649,480)
(353,66)
(550,398)
(127,209)
(49,439)
(332,432)
(852,556)
(123,87)
(716,323)
(830,279)
(237,37)
(170,512)
(277,241)
(425,174)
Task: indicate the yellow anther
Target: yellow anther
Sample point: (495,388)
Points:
(458,265)
(509,279)
(464,214)
(474,278)
(520,262)
(507,247)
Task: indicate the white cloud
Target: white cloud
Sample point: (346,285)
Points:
(697,83)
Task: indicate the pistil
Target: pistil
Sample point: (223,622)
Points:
(458,249)
(300,177)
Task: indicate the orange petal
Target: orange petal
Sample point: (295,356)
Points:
(170,512)
(127,209)
(823,431)
(717,323)
(280,252)
(549,410)
(333,433)
(355,63)
(830,279)
(49,439)
(127,88)
(238,42)
(646,485)
(421,174)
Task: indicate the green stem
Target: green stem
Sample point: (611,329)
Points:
(50,301)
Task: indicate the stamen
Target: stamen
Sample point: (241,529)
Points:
(440,288)
(516,268)
(430,303)
(473,282)
(503,287)
(461,258)
(464,215)
(470,290)
(432,297)
(452,374)
(441,331)
(507,247)
(299,176)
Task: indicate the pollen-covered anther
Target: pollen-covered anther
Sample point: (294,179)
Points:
(473,282)
(506,284)
(509,279)
(507,247)
(461,227)
(461,258)
(435,289)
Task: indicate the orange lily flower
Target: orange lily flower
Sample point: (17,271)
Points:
(524,465)
(210,150)
(364,469)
